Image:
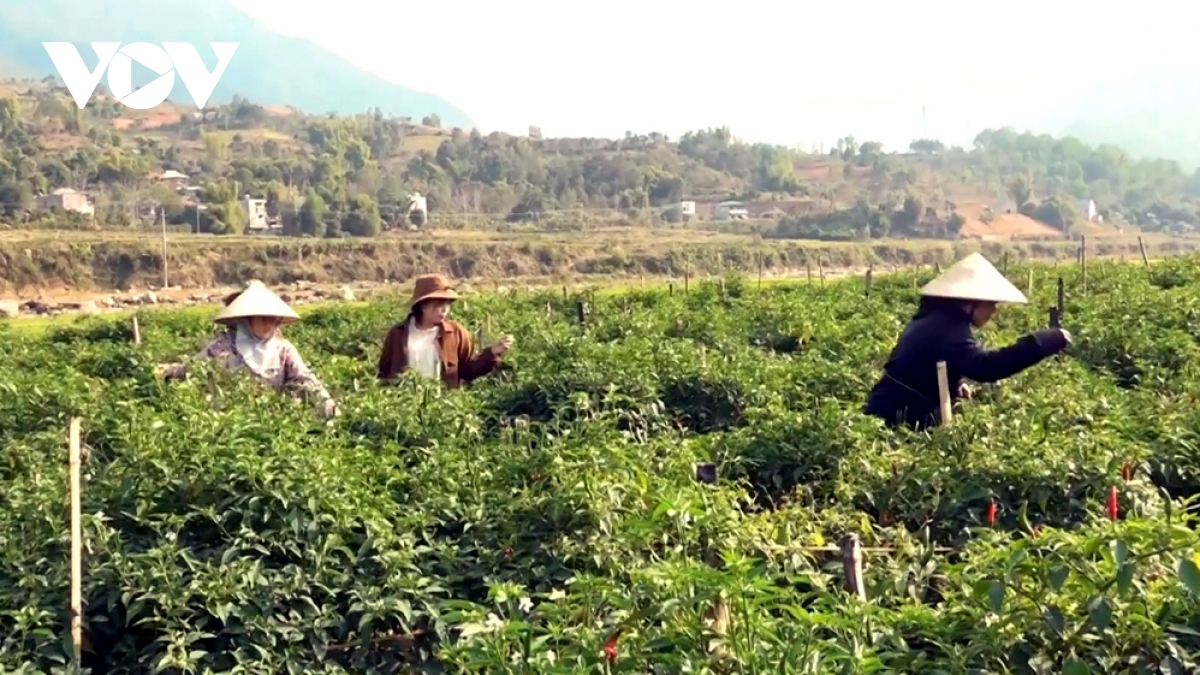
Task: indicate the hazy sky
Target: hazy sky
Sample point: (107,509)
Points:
(784,71)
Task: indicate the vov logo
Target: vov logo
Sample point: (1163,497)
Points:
(173,57)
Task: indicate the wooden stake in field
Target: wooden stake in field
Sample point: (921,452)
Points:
(808,271)
(870,275)
(852,565)
(163,219)
(1062,296)
(1029,291)
(137,333)
(760,270)
(1142,248)
(821,270)
(687,273)
(947,415)
(73,461)
(1083,259)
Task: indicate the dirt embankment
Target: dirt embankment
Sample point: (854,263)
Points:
(80,269)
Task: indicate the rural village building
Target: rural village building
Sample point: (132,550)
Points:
(66,199)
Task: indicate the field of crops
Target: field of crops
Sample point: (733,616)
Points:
(549,519)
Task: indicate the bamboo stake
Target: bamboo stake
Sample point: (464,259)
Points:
(1083,259)
(944,394)
(1142,248)
(870,275)
(137,333)
(852,565)
(1029,292)
(76,544)
(1062,296)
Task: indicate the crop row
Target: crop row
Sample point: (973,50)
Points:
(548,519)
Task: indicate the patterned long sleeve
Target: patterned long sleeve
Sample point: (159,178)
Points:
(179,370)
(299,377)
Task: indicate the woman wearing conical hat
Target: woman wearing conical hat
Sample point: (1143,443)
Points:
(429,343)
(964,297)
(253,341)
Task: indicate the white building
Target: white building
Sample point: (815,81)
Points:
(1087,209)
(730,211)
(256,214)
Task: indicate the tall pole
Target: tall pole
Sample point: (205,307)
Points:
(162,218)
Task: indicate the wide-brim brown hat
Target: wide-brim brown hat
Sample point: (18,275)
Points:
(432,287)
(974,278)
(256,300)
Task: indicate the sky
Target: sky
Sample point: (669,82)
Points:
(791,72)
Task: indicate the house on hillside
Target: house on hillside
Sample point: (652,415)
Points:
(1087,209)
(176,180)
(730,210)
(66,199)
(257,220)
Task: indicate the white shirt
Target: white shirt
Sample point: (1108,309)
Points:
(422,351)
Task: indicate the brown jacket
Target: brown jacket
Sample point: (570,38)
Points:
(460,364)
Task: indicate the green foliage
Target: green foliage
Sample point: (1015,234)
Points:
(312,215)
(517,525)
(385,159)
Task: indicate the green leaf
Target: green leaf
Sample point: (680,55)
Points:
(1120,552)
(996,595)
(1076,667)
(1058,576)
(1189,574)
(1125,577)
(1055,619)
(1100,612)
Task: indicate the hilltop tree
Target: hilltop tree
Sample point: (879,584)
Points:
(1021,191)
(927,146)
(312,215)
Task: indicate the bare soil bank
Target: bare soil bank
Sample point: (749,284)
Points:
(45,267)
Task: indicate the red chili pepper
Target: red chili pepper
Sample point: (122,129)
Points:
(990,516)
(895,470)
(610,646)
(1037,529)
(1112,502)
(508,553)
(1126,472)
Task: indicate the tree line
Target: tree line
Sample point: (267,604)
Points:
(327,175)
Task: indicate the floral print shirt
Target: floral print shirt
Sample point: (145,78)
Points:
(288,372)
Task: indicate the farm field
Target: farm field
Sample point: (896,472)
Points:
(549,519)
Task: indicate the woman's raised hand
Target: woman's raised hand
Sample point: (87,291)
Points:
(502,345)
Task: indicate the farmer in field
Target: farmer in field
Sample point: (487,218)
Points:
(962,298)
(428,342)
(253,341)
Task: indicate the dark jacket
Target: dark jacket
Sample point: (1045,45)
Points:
(907,393)
(460,364)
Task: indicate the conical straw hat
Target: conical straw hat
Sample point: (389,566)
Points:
(256,300)
(974,278)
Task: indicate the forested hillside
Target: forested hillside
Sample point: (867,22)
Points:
(331,175)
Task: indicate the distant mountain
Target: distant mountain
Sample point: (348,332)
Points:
(1154,117)
(268,68)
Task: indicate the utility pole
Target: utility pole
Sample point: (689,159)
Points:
(162,218)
